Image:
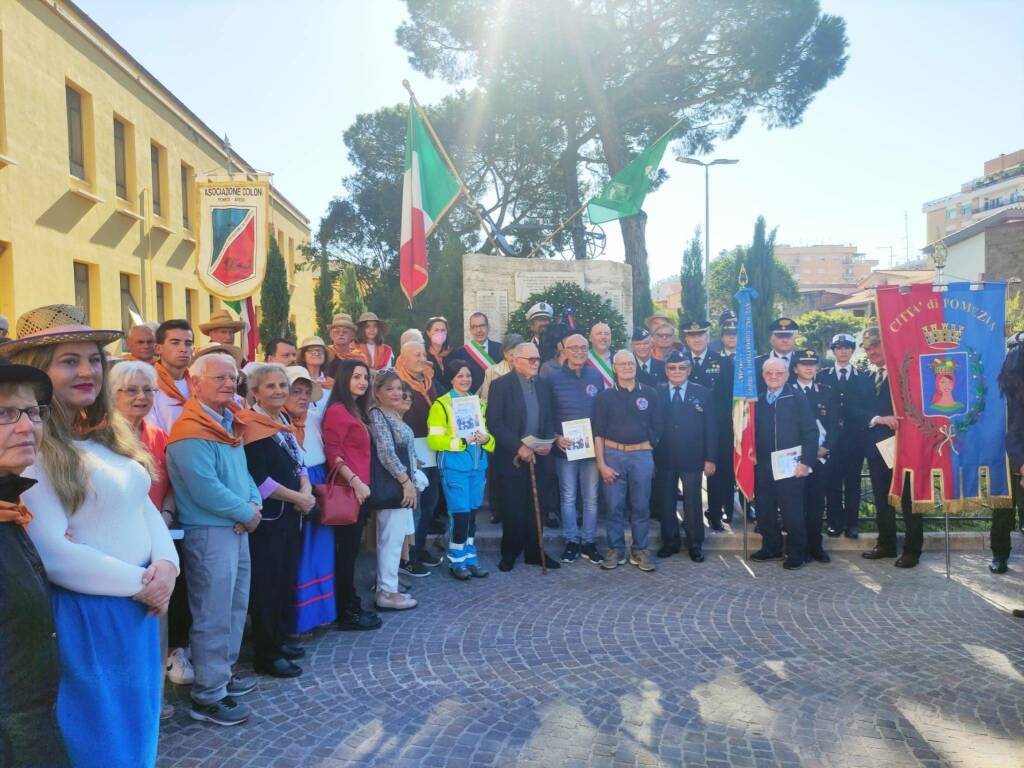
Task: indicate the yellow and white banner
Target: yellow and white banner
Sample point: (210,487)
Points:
(232,254)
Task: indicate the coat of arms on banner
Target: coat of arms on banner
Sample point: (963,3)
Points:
(232,253)
(944,347)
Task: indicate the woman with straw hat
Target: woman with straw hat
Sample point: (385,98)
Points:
(107,551)
(370,333)
(313,357)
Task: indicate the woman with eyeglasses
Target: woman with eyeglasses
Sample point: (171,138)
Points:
(392,439)
(107,551)
(463,466)
(29,657)
(313,357)
(134,386)
(436,332)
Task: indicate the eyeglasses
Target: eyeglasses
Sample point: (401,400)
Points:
(664,335)
(36,414)
(224,378)
(136,391)
(577,348)
(673,367)
(530,360)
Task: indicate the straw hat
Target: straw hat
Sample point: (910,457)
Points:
(662,316)
(312,341)
(342,321)
(54,324)
(299,373)
(224,349)
(383,326)
(221,319)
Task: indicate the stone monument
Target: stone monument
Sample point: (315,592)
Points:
(498,285)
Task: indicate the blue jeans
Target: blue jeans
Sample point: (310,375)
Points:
(636,470)
(584,472)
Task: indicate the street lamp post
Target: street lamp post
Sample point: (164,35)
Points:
(707,222)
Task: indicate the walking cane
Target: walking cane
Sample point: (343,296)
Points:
(536,512)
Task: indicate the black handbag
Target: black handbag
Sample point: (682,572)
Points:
(385,491)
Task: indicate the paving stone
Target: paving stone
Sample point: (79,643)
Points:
(854,663)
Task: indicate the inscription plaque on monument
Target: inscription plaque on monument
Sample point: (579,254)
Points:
(494,304)
(528,283)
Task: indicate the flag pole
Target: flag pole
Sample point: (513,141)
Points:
(583,207)
(463,189)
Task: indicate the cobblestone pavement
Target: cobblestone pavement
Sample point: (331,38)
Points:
(848,664)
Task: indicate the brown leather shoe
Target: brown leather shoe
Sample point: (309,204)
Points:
(877,553)
(906,560)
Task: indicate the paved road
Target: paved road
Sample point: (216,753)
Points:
(848,664)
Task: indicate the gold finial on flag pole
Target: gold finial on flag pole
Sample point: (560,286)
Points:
(742,280)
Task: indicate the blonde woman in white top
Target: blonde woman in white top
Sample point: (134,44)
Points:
(106,550)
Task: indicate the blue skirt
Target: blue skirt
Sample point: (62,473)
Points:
(314,593)
(108,704)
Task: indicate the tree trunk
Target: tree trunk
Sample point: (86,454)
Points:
(634,241)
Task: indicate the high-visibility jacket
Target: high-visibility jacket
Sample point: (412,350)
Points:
(452,451)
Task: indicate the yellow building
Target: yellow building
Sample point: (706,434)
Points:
(98,162)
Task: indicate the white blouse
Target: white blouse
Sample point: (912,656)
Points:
(313,445)
(114,535)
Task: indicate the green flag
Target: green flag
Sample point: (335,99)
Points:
(624,195)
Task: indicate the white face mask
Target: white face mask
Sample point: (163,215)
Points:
(438,338)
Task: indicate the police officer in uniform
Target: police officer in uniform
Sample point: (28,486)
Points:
(854,390)
(539,317)
(782,419)
(715,373)
(782,340)
(883,424)
(725,344)
(822,399)
(685,451)
(649,369)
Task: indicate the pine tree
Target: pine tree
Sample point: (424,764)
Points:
(274,297)
(761,270)
(323,298)
(351,297)
(691,279)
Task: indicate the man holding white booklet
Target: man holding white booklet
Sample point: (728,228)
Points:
(786,439)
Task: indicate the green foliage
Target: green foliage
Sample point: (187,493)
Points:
(274,296)
(588,308)
(691,279)
(442,296)
(608,78)
(323,298)
(760,263)
(1014,313)
(724,282)
(351,297)
(817,328)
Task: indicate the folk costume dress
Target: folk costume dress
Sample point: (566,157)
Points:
(314,593)
(109,701)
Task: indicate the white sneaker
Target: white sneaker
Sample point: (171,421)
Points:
(179,668)
(394,601)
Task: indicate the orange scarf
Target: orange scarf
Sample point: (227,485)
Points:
(195,423)
(128,356)
(259,425)
(166,383)
(299,428)
(354,353)
(17,513)
(421,386)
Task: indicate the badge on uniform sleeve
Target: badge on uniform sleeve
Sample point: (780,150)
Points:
(591,390)
(641,403)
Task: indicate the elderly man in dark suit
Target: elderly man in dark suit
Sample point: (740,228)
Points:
(519,405)
(649,369)
(686,449)
(782,420)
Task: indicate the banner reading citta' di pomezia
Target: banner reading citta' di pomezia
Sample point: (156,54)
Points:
(232,253)
(943,353)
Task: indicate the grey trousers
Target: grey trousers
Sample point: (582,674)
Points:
(217,571)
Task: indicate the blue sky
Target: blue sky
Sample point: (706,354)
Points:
(932,90)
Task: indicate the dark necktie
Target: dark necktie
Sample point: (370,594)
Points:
(676,397)
(842,375)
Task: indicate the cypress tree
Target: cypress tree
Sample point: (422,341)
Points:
(274,297)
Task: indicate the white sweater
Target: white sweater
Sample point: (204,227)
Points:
(114,534)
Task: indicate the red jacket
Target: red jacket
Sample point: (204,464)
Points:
(347,437)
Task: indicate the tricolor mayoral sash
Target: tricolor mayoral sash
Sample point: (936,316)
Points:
(479,354)
(944,347)
(594,361)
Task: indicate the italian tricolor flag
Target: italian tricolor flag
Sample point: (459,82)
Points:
(428,191)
